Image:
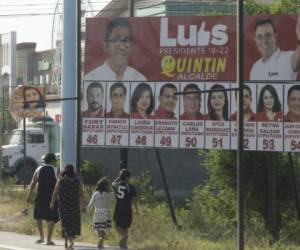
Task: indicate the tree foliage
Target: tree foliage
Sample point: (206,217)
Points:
(282,6)
(214,205)
(90,172)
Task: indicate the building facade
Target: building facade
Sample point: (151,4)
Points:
(8,59)
(35,68)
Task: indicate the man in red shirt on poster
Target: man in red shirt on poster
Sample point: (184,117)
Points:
(167,102)
(94,97)
(117,96)
(249,115)
(192,103)
(293,101)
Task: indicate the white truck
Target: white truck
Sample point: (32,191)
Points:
(42,136)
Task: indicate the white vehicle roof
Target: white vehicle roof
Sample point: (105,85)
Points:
(31,130)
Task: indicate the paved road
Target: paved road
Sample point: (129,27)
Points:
(14,241)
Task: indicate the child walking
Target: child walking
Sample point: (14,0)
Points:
(102,200)
(126,197)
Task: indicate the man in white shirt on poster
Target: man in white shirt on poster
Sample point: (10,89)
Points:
(118,45)
(274,63)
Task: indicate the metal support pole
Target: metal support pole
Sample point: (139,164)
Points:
(3,103)
(240,158)
(2,129)
(294,183)
(123,158)
(124,151)
(78,106)
(68,108)
(271,198)
(24,145)
(131,7)
(166,187)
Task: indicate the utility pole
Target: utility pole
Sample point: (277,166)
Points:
(240,150)
(68,114)
(78,83)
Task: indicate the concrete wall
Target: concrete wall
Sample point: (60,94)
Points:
(182,167)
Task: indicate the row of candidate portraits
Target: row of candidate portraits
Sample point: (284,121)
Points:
(274,63)
(261,102)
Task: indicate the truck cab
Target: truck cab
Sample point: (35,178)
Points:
(41,138)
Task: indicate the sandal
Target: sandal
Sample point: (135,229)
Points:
(39,241)
(71,246)
(50,243)
(100,245)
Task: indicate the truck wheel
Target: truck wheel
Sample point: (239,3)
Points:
(25,173)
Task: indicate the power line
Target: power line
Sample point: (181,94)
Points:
(103,2)
(25,15)
(29,4)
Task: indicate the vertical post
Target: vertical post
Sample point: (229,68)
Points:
(24,145)
(271,198)
(3,103)
(44,109)
(131,7)
(78,94)
(240,171)
(166,187)
(123,158)
(2,129)
(294,183)
(68,114)
(124,151)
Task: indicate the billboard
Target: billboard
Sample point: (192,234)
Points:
(27,101)
(134,66)
(166,48)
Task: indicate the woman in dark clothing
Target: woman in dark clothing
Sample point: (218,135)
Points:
(44,178)
(68,191)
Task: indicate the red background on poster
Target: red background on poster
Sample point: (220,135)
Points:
(146,56)
(286,37)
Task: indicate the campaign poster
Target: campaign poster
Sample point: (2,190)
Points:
(166,114)
(142,104)
(177,48)
(193,50)
(249,112)
(117,113)
(93,113)
(292,117)
(192,110)
(269,117)
(27,101)
(217,118)
(270,41)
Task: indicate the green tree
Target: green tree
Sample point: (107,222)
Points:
(281,6)
(214,204)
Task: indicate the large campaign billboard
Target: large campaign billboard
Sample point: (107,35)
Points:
(134,67)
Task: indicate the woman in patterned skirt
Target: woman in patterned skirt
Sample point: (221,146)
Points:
(102,200)
(68,190)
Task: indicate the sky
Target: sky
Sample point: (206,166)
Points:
(33,19)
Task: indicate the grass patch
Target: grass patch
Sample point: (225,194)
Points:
(152,229)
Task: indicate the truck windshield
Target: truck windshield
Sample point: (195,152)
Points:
(17,138)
